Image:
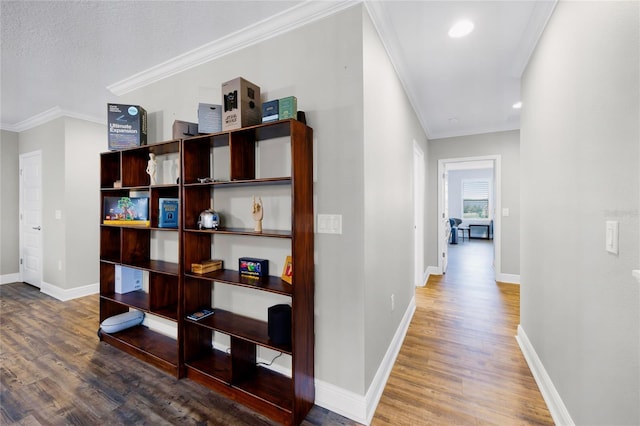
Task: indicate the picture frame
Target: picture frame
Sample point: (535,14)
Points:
(287,270)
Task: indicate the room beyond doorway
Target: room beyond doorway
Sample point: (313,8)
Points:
(452,202)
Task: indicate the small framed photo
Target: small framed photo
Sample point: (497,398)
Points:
(287,270)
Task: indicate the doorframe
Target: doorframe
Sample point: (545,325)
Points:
(21,158)
(419,186)
(497,207)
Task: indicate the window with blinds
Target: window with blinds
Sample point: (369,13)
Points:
(475,199)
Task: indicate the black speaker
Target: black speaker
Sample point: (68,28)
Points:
(280,324)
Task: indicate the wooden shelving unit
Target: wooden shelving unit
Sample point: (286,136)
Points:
(131,246)
(174,291)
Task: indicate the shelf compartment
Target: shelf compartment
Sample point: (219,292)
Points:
(110,244)
(213,364)
(163,295)
(109,169)
(241,327)
(269,386)
(159,266)
(147,345)
(269,283)
(136,299)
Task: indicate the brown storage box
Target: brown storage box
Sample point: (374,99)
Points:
(241,105)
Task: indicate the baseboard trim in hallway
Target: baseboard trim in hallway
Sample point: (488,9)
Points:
(551,396)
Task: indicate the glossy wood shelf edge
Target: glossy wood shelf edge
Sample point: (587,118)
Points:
(242,327)
(270,233)
(159,266)
(243,182)
(270,283)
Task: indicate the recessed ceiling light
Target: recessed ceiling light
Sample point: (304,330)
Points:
(461,28)
(517,105)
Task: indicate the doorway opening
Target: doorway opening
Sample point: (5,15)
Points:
(469,227)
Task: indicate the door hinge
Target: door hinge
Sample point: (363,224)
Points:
(20,172)
(443,255)
(21,261)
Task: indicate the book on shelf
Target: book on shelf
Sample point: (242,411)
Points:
(126,211)
(202,313)
(168,214)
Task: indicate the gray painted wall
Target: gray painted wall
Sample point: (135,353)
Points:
(9,204)
(49,139)
(323,67)
(390,128)
(580,306)
(505,144)
(70,184)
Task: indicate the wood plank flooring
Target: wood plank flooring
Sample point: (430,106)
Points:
(459,364)
(55,371)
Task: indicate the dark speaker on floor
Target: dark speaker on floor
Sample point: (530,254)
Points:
(280,324)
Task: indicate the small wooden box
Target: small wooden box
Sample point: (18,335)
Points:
(206,266)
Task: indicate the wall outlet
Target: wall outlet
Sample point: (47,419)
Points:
(59,265)
(393,302)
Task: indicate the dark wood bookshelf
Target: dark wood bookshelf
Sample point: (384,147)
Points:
(129,245)
(174,291)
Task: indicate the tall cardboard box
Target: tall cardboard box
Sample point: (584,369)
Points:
(127,126)
(241,105)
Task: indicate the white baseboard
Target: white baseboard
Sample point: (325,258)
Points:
(434,270)
(556,406)
(9,278)
(68,294)
(358,407)
(508,278)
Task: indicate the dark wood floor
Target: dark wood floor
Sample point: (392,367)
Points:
(55,371)
(459,364)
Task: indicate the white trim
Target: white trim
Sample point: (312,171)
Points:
(10,278)
(636,273)
(508,278)
(71,293)
(433,270)
(362,408)
(341,401)
(45,117)
(556,406)
(288,20)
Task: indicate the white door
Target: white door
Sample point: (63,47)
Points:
(418,213)
(31,218)
(445,226)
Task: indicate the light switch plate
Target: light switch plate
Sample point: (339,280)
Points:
(329,224)
(505,212)
(611,237)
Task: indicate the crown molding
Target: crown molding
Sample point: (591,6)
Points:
(47,116)
(389,40)
(298,16)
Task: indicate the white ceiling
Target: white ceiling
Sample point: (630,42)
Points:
(72,57)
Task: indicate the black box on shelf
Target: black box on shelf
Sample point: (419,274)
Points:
(127,126)
(209,118)
(252,267)
(241,104)
(279,324)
